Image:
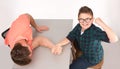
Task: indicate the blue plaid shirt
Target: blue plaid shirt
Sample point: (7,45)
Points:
(89,42)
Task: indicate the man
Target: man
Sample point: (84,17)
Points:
(19,38)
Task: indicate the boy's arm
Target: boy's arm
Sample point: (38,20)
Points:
(64,42)
(111,35)
(37,27)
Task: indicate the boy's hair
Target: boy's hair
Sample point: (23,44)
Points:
(20,54)
(85,9)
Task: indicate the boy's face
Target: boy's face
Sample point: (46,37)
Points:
(85,20)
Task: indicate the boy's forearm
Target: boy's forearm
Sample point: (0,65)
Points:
(63,42)
(111,35)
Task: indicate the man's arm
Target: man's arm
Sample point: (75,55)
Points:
(42,41)
(111,35)
(37,27)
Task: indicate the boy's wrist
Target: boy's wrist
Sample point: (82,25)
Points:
(59,45)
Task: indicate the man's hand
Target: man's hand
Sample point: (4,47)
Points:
(57,50)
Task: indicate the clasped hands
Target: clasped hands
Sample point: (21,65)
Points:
(57,49)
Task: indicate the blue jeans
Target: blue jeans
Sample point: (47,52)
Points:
(80,63)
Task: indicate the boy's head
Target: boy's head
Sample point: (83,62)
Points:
(85,17)
(21,54)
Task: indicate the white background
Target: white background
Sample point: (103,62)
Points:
(108,10)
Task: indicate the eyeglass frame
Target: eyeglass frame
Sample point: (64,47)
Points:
(85,20)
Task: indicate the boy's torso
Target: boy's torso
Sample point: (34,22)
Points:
(91,48)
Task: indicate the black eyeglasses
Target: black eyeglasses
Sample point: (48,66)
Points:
(87,20)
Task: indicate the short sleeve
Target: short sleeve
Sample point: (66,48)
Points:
(72,35)
(100,35)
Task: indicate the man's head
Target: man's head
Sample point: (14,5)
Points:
(21,54)
(85,17)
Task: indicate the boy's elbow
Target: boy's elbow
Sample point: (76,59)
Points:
(116,39)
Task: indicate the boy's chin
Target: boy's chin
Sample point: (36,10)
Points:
(86,27)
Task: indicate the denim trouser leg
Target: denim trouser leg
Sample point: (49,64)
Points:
(80,63)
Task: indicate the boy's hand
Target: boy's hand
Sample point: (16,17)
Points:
(57,50)
(42,28)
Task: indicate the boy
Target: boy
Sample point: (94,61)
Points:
(88,38)
(19,38)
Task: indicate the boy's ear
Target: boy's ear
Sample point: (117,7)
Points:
(93,19)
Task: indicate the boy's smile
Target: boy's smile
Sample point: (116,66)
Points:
(85,20)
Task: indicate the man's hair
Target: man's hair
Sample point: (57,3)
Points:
(85,9)
(20,54)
